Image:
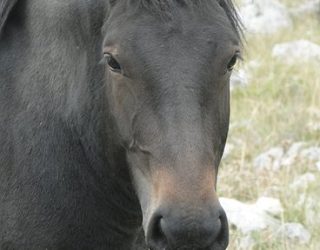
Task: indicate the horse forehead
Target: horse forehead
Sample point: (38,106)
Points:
(169,30)
(143,30)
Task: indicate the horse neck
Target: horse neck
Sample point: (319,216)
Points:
(79,98)
(107,161)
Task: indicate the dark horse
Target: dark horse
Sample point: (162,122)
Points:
(113,119)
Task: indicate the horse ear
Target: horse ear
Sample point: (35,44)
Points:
(5,9)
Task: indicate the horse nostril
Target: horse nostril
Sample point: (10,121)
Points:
(222,238)
(155,236)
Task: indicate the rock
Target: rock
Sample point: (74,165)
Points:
(248,217)
(263,162)
(310,203)
(270,206)
(264,17)
(269,160)
(295,149)
(239,78)
(312,6)
(299,51)
(318,165)
(295,231)
(311,154)
(292,153)
(303,181)
(276,157)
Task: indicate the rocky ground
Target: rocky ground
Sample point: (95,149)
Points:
(270,175)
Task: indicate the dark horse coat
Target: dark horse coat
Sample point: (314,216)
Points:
(64,176)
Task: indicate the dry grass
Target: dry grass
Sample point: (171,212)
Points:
(276,109)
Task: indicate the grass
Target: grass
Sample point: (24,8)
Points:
(277,108)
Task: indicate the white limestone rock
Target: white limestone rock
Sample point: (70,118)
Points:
(293,153)
(299,51)
(239,78)
(264,17)
(269,205)
(311,154)
(260,216)
(295,149)
(270,160)
(296,232)
(309,7)
(303,181)
(248,218)
(310,204)
(277,158)
(318,165)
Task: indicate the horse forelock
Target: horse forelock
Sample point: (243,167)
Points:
(168,7)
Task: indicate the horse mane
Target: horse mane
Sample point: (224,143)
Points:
(231,12)
(159,6)
(162,7)
(5,9)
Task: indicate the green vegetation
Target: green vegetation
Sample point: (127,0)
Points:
(278,108)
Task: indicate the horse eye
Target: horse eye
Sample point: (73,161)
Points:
(233,62)
(112,62)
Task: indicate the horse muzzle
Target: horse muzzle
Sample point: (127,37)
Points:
(188,227)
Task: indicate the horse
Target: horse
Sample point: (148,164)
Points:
(113,120)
